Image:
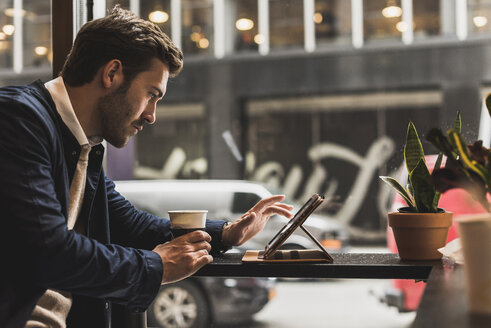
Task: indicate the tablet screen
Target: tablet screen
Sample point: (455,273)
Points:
(294,223)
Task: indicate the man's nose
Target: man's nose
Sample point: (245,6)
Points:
(149,113)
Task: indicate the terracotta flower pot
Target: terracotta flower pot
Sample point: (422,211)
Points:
(419,235)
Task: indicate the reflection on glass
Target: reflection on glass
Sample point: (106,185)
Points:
(197,27)
(245,25)
(6,36)
(426,15)
(332,21)
(382,20)
(157,11)
(37,33)
(125,4)
(286,24)
(479,20)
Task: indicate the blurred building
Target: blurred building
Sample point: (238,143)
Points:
(304,95)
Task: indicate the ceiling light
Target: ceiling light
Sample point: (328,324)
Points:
(195,36)
(401,26)
(8,29)
(11,12)
(158,17)
(244,24)
(41,51)
(317,18)
(392,10)
(203,43)
(480,21)
(259,38)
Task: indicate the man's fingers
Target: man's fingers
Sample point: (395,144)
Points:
(203,260)
(263,203)
(277,210)
(285,206)
(197,236)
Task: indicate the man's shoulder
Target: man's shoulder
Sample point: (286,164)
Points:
(32,99)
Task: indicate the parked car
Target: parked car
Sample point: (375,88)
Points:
(198,302)
(406,294)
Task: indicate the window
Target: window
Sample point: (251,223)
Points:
(479,17)
(286,24)
(157,12)
(37,33)
(242,20)
(244,201)
(332,21)
(197,27)
(173,147)
(382,20)
(123,3)
(7,31)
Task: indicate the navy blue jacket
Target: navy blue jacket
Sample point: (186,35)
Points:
(113,263)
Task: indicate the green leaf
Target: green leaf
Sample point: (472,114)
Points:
(399,189)
(439,140)
(488,103)
(424,191)
(436,200)
(438,162)
(457,125)
(466,158)
(413,150)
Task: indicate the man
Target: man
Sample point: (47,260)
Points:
(70,244)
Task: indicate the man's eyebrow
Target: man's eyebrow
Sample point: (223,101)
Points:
(159,91)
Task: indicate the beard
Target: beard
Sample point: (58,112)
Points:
(116,112)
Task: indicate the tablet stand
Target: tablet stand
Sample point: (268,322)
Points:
(292,255)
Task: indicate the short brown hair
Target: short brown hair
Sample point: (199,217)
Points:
(120,35)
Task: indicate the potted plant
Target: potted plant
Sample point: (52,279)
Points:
(421,227)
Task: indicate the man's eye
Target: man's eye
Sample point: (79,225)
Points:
(153,95)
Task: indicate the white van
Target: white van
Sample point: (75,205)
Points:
(227,199)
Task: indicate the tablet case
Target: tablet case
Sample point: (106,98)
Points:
(292,256)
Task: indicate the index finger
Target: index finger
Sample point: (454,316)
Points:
(264,203)
(197,236)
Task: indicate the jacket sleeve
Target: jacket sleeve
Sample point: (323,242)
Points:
(34,239)
(135,228)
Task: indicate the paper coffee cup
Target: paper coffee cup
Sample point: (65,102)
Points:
(475,235)
(185,221)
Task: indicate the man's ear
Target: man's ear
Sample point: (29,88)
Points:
(112,74)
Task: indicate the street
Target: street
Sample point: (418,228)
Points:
(338,303)
(335,303)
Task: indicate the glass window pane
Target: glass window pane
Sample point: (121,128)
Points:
(174,147)
(37,33)
(157,12)
(286,24)
(197,27)
(6,35)
(332,21)
(125,4)
(426,16)
(479,17)
(382,20)
(243,22)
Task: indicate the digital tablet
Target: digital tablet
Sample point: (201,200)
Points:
(290,227)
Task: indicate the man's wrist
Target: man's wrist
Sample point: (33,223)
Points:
(227,244)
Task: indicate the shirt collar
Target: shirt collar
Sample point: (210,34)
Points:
(57,90)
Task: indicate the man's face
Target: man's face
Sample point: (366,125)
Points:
(125,111)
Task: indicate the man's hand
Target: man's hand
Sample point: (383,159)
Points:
(183,256)
(253,221)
